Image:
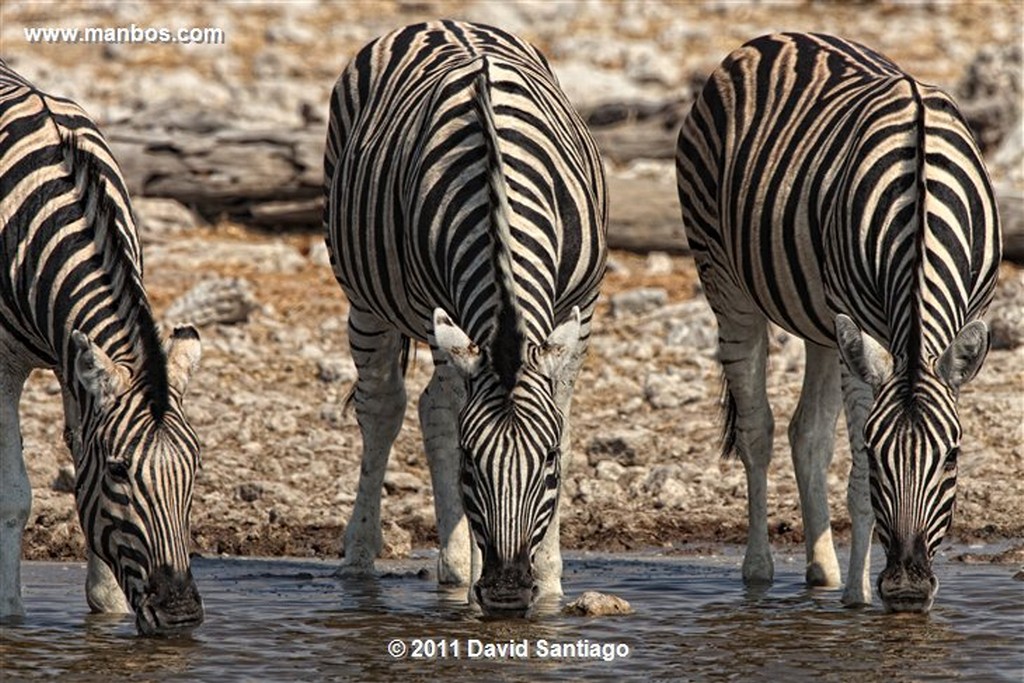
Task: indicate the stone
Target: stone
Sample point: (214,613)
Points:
(395,481)
(249,491)
(159,218)
(595,604)
(627,447)
(225,300)
(335,370)
(397,542)
(638,301)
(673,389)
(64,482)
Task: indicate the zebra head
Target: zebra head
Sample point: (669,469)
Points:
(136,464)
(510,435)
(912,437)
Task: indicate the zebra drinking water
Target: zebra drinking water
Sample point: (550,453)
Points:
(466,209)
(72,299)
(826,190)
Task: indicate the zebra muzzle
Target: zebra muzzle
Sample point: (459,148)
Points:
(172,604)
(908,584)
(508,591)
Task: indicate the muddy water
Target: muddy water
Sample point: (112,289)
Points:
(294,620)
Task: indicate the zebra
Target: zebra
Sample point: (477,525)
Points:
(72,300)
(824,189)
(466,207)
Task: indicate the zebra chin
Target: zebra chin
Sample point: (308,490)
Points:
(170,606)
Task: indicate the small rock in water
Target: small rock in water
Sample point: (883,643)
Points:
(594,604)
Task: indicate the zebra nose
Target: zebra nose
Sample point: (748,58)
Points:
(907,584)
(508,591)
(172,603)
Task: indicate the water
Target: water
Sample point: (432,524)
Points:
(694,620)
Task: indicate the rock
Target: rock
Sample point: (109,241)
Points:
(627,447)
(658,263)
(1006,313)
(397,542)
(691,324)
(225,300)
(336,370)
(594,604)
(395,481)
(989,93)
(675,388)
(609,470)
(158,218)
(249,491)
(638,301)
(318,254)
(64,482)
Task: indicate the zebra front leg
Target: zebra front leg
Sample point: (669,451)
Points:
(102,592)
(743,352)
(438,421)
(380,406)
(858,397)
(547,562)
(15,488)
(812,437)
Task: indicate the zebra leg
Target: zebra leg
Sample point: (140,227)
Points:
(380,406)
(438,410)
(102,591)
(812,437)
(743,352)
(15,488)
(547,562)
(858,397)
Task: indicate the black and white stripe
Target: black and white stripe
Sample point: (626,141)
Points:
(466,209)
(826,190)
(72,299)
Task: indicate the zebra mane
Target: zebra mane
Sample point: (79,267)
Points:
(507,344)
(914,337)
(114,249)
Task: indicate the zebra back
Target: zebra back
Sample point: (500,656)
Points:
(889,211)
(408,101)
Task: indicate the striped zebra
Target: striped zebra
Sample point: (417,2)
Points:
(466,209)
(827,191)
(72,300)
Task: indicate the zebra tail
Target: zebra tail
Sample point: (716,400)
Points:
(508,336)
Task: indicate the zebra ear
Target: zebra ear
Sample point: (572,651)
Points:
(104,379)
(866,358)
(560,345)
(960,362)
(183,353)
(456,345)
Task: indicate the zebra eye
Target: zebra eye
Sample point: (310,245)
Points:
(118,471)
(951,459)
(551,458)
